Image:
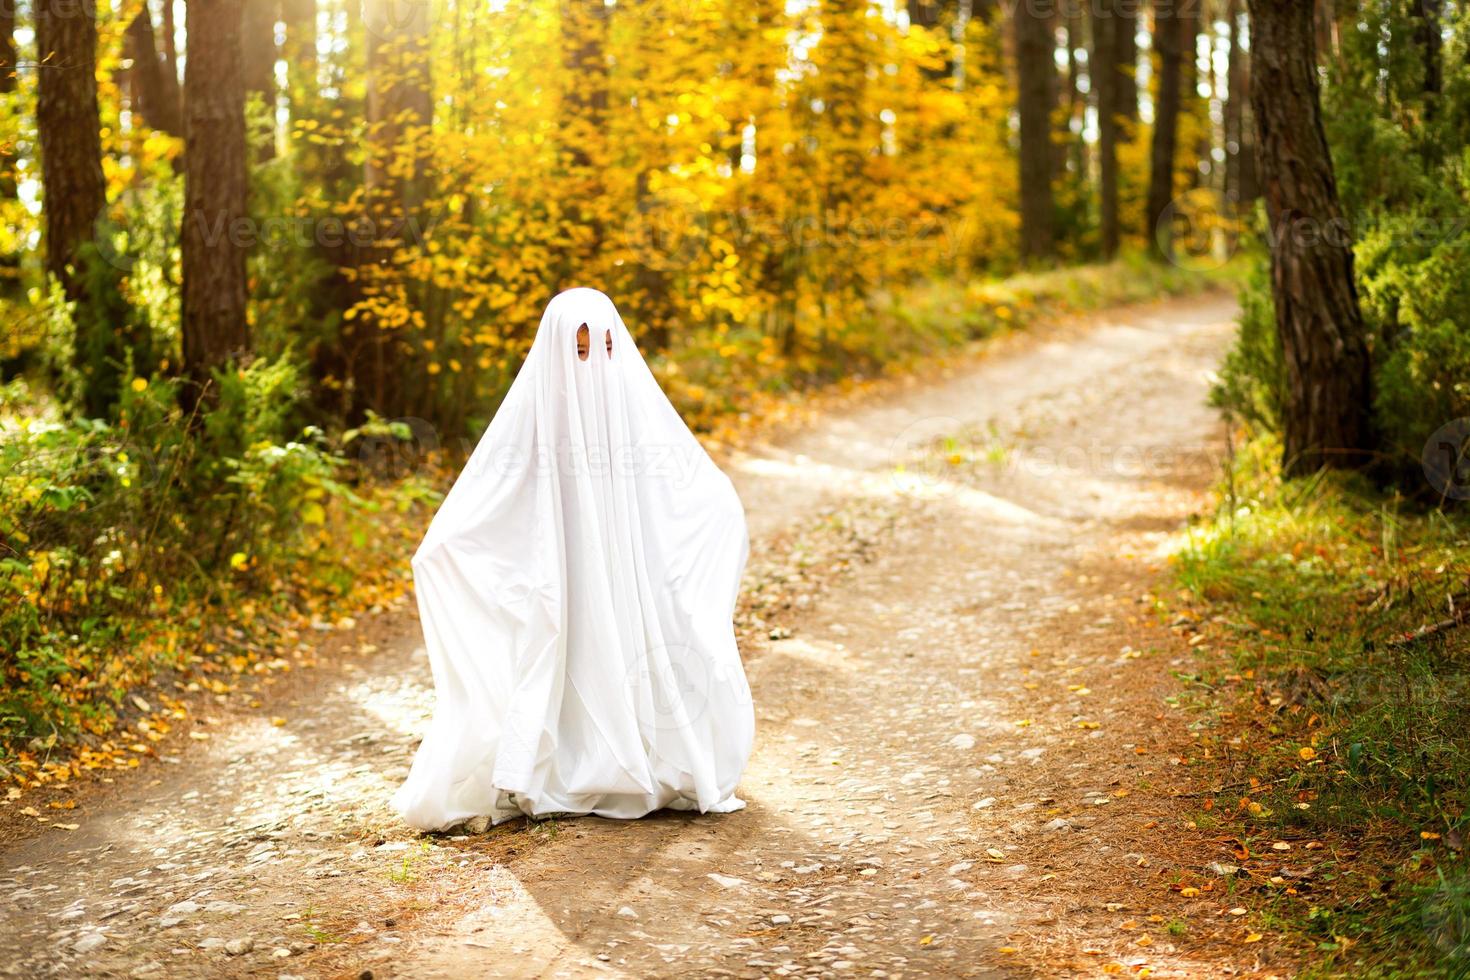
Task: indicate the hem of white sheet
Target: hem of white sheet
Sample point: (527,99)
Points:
(510,805)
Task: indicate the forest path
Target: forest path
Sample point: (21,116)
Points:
(963,752)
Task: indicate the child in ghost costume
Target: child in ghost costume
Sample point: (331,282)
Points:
(576,590)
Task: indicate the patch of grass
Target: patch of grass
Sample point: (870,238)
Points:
(406,872)
(1338,736)
(546,829)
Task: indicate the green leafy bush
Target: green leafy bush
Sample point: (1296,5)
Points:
(117,539)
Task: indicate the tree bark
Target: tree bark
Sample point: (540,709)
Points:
(1126,41)
(1241,186)
(215,330)
(939,16)
(10,281)
(395,181)
(171,54)
(1169,28)
(1035,73)
(585,26)
(1076,103)
(1323,340)
(74,195)
(1105,77)
(154,98)
(258,64)
(69,128)
(300,54)
(1428,34)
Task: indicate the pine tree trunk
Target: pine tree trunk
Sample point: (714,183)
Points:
(10,282)
(1126,41)
(1232,114)
(1245,184)
(69,129)
(395,176)
(154,98)
(1429,35)
(74,196)
(1104,69)
(300,54)
(1076,107)
(215,330)
(1035,73)
(258,65)
(1323,340)
(585,29)
(1167,37)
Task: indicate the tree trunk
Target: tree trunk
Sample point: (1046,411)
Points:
(258,66)
(1104,69)
(10,281)
(395,180)
(1076,103)
(1035,73)
(74,196)
(171,54)
(1323,339)
(71,145)
(1428,34)
(938,16)
(300,54)
(1240,177)
(1168,37)
(1126,41)
(585,28)
(154,98)
(215,330)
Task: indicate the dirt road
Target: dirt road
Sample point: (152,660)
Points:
(963,764)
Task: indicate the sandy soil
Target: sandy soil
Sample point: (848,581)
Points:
(969,734)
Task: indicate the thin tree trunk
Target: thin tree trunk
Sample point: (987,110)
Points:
(395,175)
(1076,102)
(171,52)
(1104,69)
(258,65)
(1323,339)
(300,54)
(74,191)
(1240,161)
(1232,114)
(585,27)
(1035,73)
(1169,29)
(1324,15)
(68,124)
(215,330)
(154,98)
(1126,41)
(10,282)
(1428,34)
